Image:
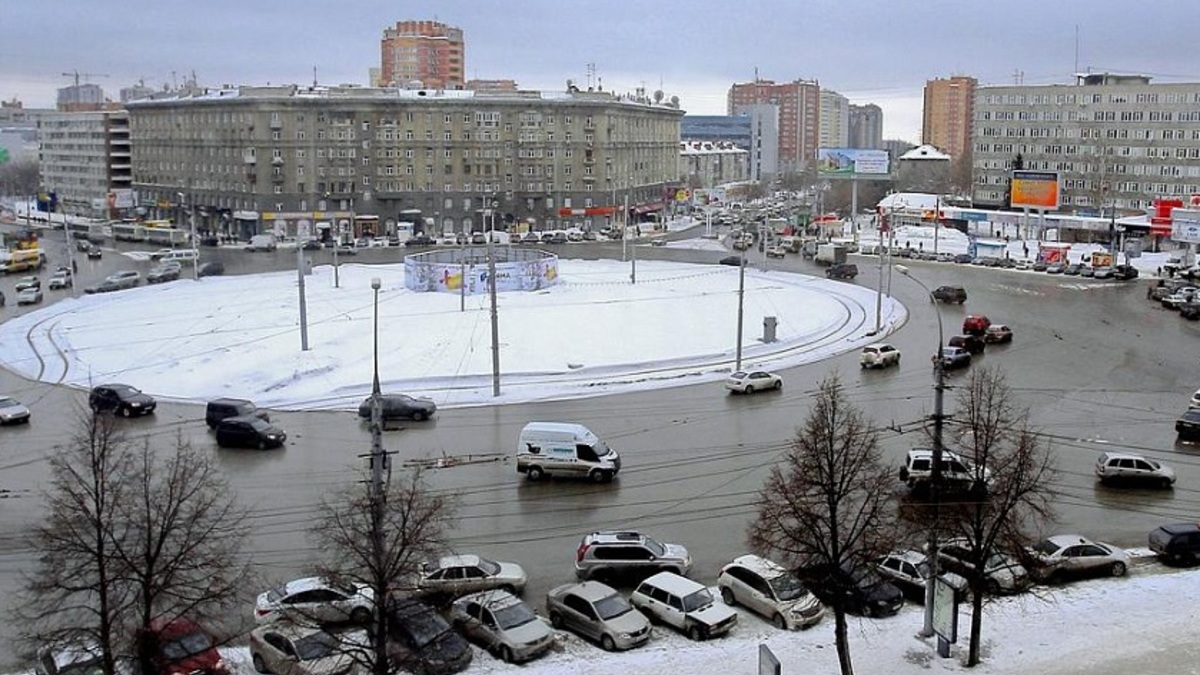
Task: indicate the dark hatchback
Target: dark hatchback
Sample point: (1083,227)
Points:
(249,431)
(950,294)
(974,344)
(1177,543)
(862,590)
(400,406)
(1188,425)
(222,408)
(422,642)
(121,399)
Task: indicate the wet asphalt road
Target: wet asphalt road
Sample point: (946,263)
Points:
(1098,366)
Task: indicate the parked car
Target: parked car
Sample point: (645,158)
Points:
(616,553)
(27,282)
(121,399)
(1040,265)
(1073,269)
(400,406)
(1002,573)
(502,624)
(211,269)
(732,260)
(685,605)
(860,589)
(1187,427)
(163,273)
(80,656)
(955,357)
(776,252)
(957,472)
(1056,268)
(910,571)
(420,641)
(950,294)
(879,355)
(125,278)
(419,241)
(1103,273)
(12,411)
(998,333)
(105,286)
(222,408)
(249,431)
(1125,272)
(1194,401)
(750,381)
(1190,311)
(975,324)
(1177,543)
(769,590)
(455,575)
(315,600)
(1113,468)
(1062,556)
(974,344)
(963,258)
(597,612)
(29,296)
(842,271)
(182,647)
(298,649)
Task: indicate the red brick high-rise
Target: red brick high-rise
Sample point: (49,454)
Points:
(799,105)
(429,52)
(946,119)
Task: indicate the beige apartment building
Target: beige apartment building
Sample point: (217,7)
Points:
(85,159)
(799,119)
(252,159)
(427,52)
(947,116)
(1114,140)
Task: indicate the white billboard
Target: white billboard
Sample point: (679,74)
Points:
(1185,226)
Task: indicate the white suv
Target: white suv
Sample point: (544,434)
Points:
(628,552)
(879,355)
(685,605)
(957,472)
(769,590)
(1114,467)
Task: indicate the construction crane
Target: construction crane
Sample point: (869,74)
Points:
(76,74)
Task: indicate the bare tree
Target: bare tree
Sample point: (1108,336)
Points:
(1012,489)
(19,177)
(74,592)
(828,505)
(181,549)
(130,536)
(382,546)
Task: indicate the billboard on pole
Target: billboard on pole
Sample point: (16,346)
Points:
(1034,190)
(852,163)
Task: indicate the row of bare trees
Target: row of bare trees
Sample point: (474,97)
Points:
(830,503)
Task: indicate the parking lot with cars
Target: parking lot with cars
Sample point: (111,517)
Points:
(1067,386)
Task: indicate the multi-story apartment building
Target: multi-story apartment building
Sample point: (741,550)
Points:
(834,120)
(85,158)
(755,129)
(866,127)
(428,52)
(947,116)
(708,164)
(242,154)
(1115,141)
(799,105)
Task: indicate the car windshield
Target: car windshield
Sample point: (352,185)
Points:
(697,601)
(1046,547)
(6,402)
(316,645)
(186,645)
(516,614)
(656,548)
(423,628)
(612,606)
(787,587)
(489,567)
(125,391)
(91,667)
(739,375)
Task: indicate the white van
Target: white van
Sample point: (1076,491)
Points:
(180,255)
(546,448)
(261,242)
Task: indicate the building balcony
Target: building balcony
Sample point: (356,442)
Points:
(249,158)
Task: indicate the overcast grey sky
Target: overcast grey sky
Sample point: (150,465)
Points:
(872,51)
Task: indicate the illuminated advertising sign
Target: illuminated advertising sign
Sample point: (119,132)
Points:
(1034,190)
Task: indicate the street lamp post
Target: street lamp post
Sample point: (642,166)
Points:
(378,457)
(939,417)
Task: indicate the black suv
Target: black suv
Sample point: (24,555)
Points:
(221,408)
(842,271)
(861,590)
(950,294)
(1178,543)
(249,432)
(121,399)
(1188,425)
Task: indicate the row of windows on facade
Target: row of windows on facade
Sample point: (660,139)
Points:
(638,167)
(482,119)
(147,153)
(1125,187)
(1141,134)
(1096,116)
(997,196)
(1116,98)
(1035,163)
(1162,152)
(391,186)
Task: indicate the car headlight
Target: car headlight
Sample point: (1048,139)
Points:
(135,404)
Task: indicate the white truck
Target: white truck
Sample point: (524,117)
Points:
(261,242)
(547,448)
(831,254)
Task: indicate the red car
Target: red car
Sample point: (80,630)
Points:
(182,647)
(976,324)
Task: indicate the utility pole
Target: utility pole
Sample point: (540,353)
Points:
(491,248)
(741,304)
(303,306)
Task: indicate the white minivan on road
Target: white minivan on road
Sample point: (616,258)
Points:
(548,448)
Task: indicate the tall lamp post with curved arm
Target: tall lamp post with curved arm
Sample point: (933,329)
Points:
(939,388)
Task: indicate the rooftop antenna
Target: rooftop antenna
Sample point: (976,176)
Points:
(314,77)
(1018,77)
(1076,48)
(591,74)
